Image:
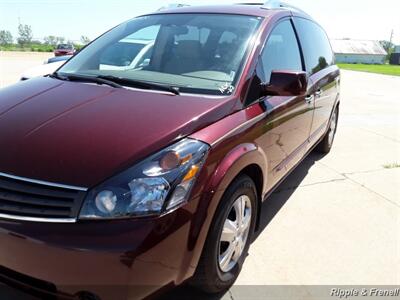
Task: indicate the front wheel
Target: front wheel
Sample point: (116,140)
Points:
(229,238)
(326,144)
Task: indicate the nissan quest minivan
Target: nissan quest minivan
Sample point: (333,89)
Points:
(143,162)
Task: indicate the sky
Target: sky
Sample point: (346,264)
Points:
(357,19)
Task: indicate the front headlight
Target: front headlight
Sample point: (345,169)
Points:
(156,185)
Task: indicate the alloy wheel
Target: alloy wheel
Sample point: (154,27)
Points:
(332,128)
(235,233)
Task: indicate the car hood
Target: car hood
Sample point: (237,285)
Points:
(80,134)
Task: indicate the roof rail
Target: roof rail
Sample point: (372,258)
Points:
(277,4)
(270,4)
(250,3)
(173,5)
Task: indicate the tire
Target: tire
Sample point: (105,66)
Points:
(326,143)
(213,274)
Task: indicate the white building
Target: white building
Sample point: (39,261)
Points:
(358,51)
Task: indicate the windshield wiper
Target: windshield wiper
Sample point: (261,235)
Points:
(56,76)
(140,84)
(84,78)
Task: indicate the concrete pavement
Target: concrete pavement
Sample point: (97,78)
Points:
(13,64)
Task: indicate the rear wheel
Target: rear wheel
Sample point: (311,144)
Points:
(229,238)
(326,144)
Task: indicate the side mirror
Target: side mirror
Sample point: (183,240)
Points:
(286,83)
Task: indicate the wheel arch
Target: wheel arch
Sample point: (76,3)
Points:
(255,172)
(246,158)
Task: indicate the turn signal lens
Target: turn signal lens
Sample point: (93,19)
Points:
(185,159)
(192,173)
(182,190)
(180,194)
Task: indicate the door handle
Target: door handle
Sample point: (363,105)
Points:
(319,93)
(309,99)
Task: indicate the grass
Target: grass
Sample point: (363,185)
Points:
(379,69)
(35,47)
(391,166)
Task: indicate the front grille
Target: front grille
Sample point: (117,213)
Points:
(32,199)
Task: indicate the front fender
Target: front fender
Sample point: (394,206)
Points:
(234,162)
(240,157)
(234,148)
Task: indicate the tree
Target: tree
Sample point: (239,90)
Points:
(85,40)
(25,34)
(60,40)
(388,46)
(54,40)
(5,37)
(50,40)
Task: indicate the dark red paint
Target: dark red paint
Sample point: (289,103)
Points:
(62,52)
(80,134)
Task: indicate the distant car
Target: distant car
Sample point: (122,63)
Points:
(42,70)
(64,49)
(58,58)
(48,67)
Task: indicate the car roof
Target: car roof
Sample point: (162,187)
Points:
(237,9)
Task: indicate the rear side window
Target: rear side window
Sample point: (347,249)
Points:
(316,47)
(281,52)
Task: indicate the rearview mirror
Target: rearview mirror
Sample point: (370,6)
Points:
(286,83)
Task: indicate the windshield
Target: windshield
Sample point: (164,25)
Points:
(64,47)
(196,53)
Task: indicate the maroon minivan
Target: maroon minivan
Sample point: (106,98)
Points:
(133,169)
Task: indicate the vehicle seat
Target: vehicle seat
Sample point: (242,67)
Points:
(186,57)
(228,57)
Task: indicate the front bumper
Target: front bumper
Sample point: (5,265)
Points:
(124,259)
(62,53)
